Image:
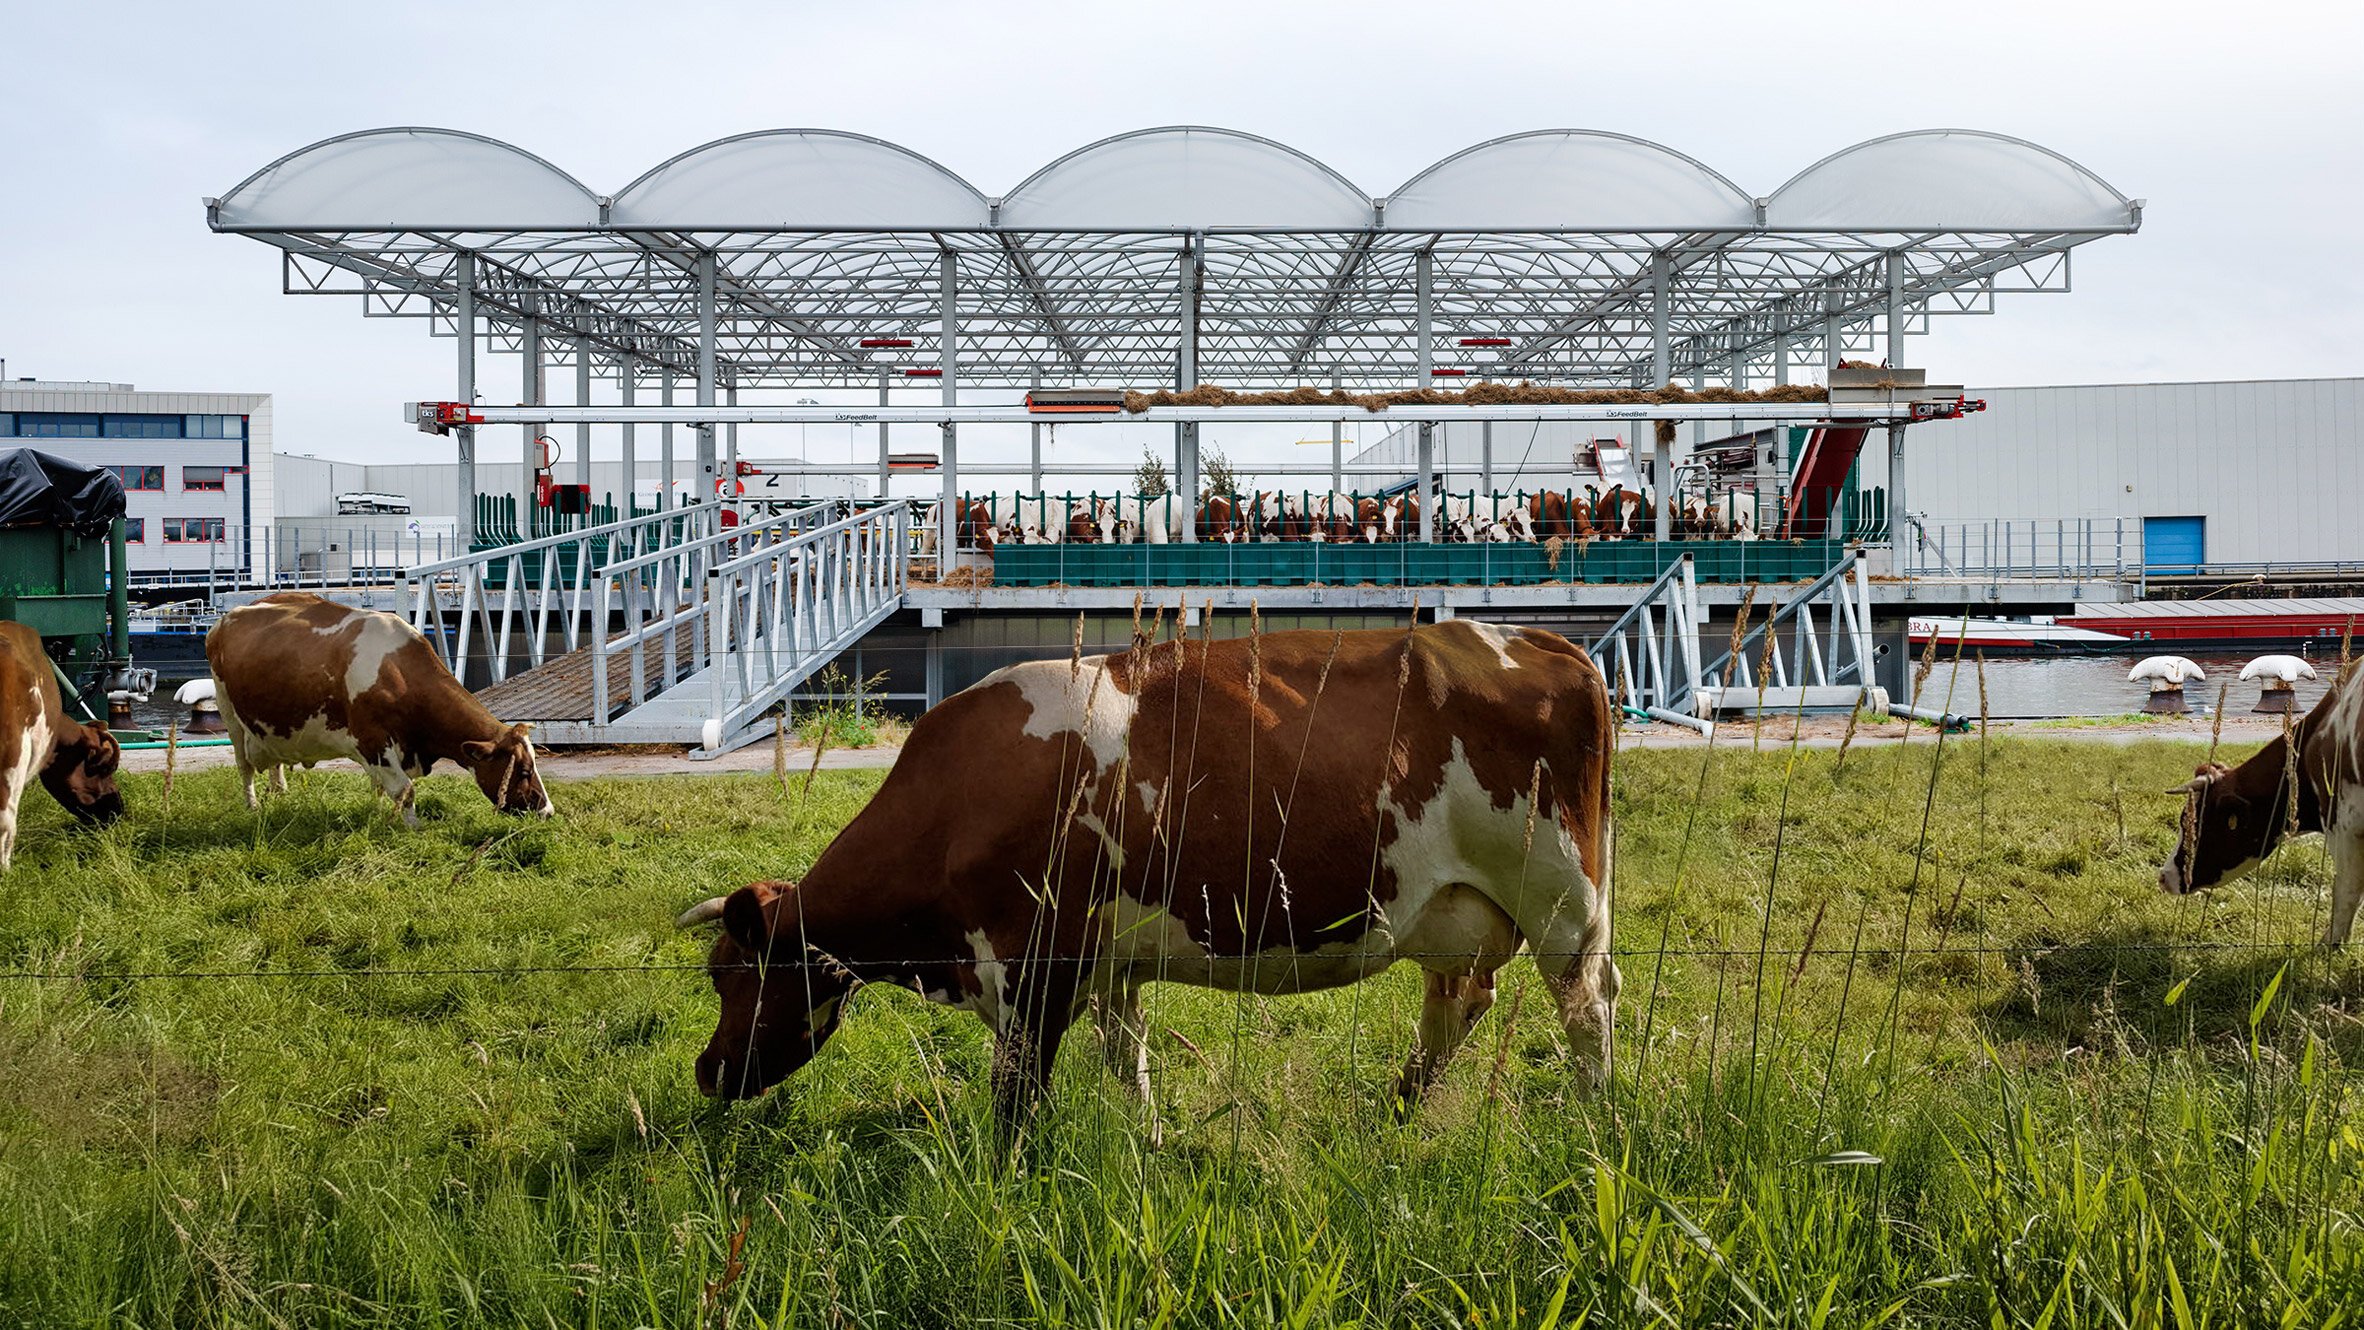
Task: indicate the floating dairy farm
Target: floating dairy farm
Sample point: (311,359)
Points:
(844,631)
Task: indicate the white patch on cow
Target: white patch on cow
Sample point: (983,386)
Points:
(381,636)
(33,745)
(1496,636)
(549,806)
(1116,851)
(313,742)
(1460,837)
(1149,792)
(1146,934)
(1064,699)
(992,975)
(817,1019)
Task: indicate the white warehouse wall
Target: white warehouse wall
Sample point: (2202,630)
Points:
(2272,464)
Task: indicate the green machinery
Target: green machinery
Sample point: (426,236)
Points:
(71,589)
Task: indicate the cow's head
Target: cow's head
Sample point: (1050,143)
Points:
(504,770)
(81,776)
(2224,834)
(781,999)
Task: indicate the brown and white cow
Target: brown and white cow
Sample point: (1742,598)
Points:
(2234,816)
(75,762)
(1280,814)
(303,680)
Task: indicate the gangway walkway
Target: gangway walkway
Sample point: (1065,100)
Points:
(673,627)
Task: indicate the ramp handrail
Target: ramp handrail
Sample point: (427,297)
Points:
(1651,653)
(669,590)
(488,588)
(783,611)
(1850,627)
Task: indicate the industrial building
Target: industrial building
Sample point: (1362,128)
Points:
(196,467)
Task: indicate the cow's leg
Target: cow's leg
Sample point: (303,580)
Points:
(393,782)
(279,778)
(1022,1059)
(12,792)
(1569,930)
(1124,1036)
(240,737)
(1448,1011)
(2347,884)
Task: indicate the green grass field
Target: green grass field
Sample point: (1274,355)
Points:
(1886,1057)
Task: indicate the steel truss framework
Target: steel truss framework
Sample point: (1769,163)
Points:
(1176,255)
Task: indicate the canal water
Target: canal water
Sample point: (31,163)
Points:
(2034,687)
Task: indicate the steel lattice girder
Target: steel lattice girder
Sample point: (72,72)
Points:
(1273,310)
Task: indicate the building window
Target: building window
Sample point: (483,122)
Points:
(192,530)
(139,477)
(56,425)
(214,427)
(135,530)
(141,427)
(204,477)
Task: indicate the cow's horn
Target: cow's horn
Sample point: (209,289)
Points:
(2193,786)
(704,912)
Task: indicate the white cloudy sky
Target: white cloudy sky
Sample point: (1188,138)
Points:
(2244,129)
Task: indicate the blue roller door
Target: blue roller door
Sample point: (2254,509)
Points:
(2174,544)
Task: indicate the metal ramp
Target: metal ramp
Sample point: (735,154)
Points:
(1657,668)
(679,627)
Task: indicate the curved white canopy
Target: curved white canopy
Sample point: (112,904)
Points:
(832,248)
(817,179)
(1569,180)
(1186,177)
(1947,180)
(397,179)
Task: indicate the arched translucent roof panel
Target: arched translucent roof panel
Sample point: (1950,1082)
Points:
(1569,180)
(410,179)
(1947,180)
(798,179)
(1186,178)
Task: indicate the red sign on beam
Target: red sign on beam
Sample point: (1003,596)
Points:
(1448,373)
(1485,341)
(923,374)
(883,343)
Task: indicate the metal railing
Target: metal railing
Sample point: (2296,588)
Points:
(495,593)
(2028,549)
(1829,667)
(272,558)
(1651,653)
(782,611)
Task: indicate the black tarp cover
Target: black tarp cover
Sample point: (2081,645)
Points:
(43,489)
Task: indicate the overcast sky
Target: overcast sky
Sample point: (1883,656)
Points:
(2243,129)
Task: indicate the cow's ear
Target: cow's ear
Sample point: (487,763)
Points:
(743,919)
(477,750)
(106,752)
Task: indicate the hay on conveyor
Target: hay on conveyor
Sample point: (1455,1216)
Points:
(1476,394)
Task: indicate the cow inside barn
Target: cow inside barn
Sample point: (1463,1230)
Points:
(76,762)
(302,680)
(2233,817)
(1272,814)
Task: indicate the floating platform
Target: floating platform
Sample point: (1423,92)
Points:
(2320,621)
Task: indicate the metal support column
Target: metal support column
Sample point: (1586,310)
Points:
(1424,334)
(1034,435)
(534,390)
(628,381)
(708,490)
(1186,378)
(1337,443)
(583,431)
(464,323)
(948,338)
(1899,537)
(665,445)
(885,466)
(1661,369)
(1486,456)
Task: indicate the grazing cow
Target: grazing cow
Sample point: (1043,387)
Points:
(2234,816)
(1164,813)
(303,679)
(76,762)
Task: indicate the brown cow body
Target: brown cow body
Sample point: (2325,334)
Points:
(302,680)
(75,762)
(1273,815)
(2235,816)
